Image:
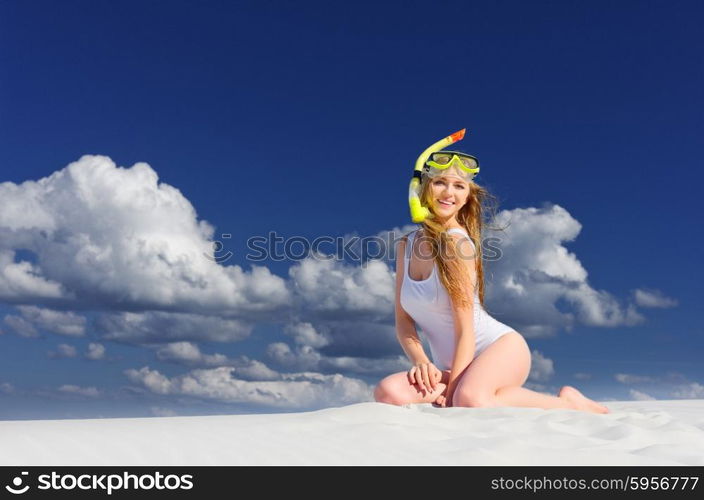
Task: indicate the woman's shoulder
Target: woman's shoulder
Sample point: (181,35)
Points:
(411,234)
(462,234)
(459,231)
(408,236)
(403,241)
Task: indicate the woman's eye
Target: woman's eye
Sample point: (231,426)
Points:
(458,186)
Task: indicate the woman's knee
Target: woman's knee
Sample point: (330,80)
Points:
(522,340)
(521,360)
(528,356)
(387,391)
(472,399)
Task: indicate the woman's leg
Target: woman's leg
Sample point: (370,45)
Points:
(396,389)
(495,378)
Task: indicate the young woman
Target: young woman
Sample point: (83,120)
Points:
(477,360)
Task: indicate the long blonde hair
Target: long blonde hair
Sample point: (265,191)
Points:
(451,268)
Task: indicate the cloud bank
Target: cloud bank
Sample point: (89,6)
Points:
(110,253)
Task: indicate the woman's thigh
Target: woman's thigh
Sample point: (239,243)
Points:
(397,389)
(505,363)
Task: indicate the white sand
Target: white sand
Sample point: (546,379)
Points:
(636,432)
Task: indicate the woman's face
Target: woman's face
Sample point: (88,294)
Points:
(449,194)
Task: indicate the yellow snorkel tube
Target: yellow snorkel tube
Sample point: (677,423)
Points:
(419,212)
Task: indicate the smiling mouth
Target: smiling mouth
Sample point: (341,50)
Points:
(445,203)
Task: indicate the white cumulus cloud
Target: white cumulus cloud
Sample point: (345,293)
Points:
(626,378)
(653,298)
(34,319)
(188,353)
(63,351)
(692,390)
(640,396)
(306,390)
(159,411)
(20,326)
(116,237)
(305,334)
(306,358)
(542,368)
(95,351)
(163,327)
(538,286)
(331,286)
(90,392)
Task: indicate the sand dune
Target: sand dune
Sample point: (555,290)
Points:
(636,432)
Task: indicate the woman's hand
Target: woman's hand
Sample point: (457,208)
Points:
(444,400)
(425,375)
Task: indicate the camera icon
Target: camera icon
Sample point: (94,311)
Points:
(17,482)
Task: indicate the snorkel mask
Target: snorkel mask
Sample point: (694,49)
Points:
(433,162)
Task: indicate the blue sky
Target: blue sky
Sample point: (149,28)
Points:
(184,121)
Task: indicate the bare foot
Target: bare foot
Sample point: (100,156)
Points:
(579,401)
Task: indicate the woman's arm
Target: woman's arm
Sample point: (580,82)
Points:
(465,344)
(405,326)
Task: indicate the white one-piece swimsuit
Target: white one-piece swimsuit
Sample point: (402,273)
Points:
(429,304)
